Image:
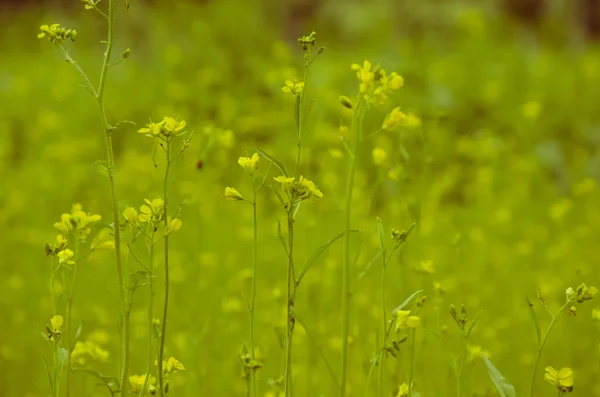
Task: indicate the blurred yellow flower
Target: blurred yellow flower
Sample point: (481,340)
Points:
(306,189)
(562,380)
(404,320)
(403,390)
(365,75)
(173,226)
(395,118)
(250,164)
(426,266)
(379,155)
(153,211)
(286,182)
(77,222)
(293,87)
(65,257)
(232,194)
(131,216)
(171,366)
(173,127)
(53,329)
(138,381)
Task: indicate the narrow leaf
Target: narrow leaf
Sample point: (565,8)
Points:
(313,258)
(368,267)
(48,372)
(536,322)
(477,317)
(111,382)
(407,301)
(504,388)
(273,161)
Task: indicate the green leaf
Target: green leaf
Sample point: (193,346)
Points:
(536,322)
(477,317)
(63,355)
(504,388)
(111,382)
(48,372)
(407,301)
(368,267)
(313,258)
(273,161)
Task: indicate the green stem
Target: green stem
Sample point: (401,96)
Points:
(150,316)
(301,116)
(68,340)
(161,351)
(412,362)
(384,326)
(290,303)
(253,297)
(541,347)
(462,365)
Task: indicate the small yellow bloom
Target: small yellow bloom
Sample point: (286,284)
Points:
(232,194)
(173,226)
(404,320)
(65,257)
(394,119)
(306,189)
(365,75)
(562,380)
(475,352)
(131,216)
(395,81)
(152,129)
(250,164)
(77,222)
(173,127)
(293,87)
(286,182)
(426,266)
(171,366)
(596,314)
(379,156)
(153,211)
(53,329)
(103,241)
(138,381)
(403,390)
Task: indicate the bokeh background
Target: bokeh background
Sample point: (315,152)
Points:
(501,178)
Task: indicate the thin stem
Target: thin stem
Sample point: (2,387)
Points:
(301,116)
(253,297)
(68,340)
(150,315)
(161,351)
(462,365)
(290,303)
(541,347)
(384,326)
(412,362)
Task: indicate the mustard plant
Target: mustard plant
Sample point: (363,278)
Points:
(466,327)
(164,133)
(581,294)
(374,88)
(58,35)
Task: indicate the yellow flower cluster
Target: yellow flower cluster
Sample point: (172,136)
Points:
(582,294)
(300,189)
(88,350)
(77,222)
(293,87)
(138,381)
(165,129)
(403,390)
(232,194)
(171,366)
(375,84)
(404,320)
(250,164)
(56,33)
(153,212)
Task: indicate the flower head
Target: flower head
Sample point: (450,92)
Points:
(306,189)
(138,381)
(65,257)
(286,182)
(404,320)
(403,390)
(232,194)
(250,164)
(77,222)
(153,212)
(88,350)
(53,330)
(171,366)
(173,226)
(131,216)
(165,129)
(56,33)
(293,87)
(395,118)
(585,293)
(562,380)
(379,156)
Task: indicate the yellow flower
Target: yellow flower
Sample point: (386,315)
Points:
(585,293)
(394,119)
(173,226)
(395,81)
(131,216)
(171,366)
(286,182)
(403,390)
(173,127)
(404,320)
(232,194)
(365,75)
(88,350)
(138,381)
(249,163)
(475,351)
(103,241)
(152,129)
(65,257)
(562,380)
(56,33)
(306,189)
(596,314)
(293,87)
(53,329)
(77,222)
(153,211)
(379,156)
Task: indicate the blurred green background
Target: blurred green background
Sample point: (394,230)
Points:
(501,179)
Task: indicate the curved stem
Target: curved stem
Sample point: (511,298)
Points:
(161,351)
(541,347)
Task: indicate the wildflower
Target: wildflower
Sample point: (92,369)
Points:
(562,380)
(61,244)
(103,241)
(77,222)
(365,76)
(65,257)
(171,366)
(56,33)
(138,381)
(404,320)
(395,81)
(165,129)
(153,212)
(173,226)
(394,119)
(585,293)
(232,194)
(293,87)
(173,127)
(306,189)
(570,294)
(403,390)
(286,182)
(53,329)
(379,156)
(152,129)
(131,216)
(249,163)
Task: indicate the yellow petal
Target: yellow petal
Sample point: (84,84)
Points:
(56,322)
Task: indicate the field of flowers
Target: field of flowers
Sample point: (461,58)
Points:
(207,199)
